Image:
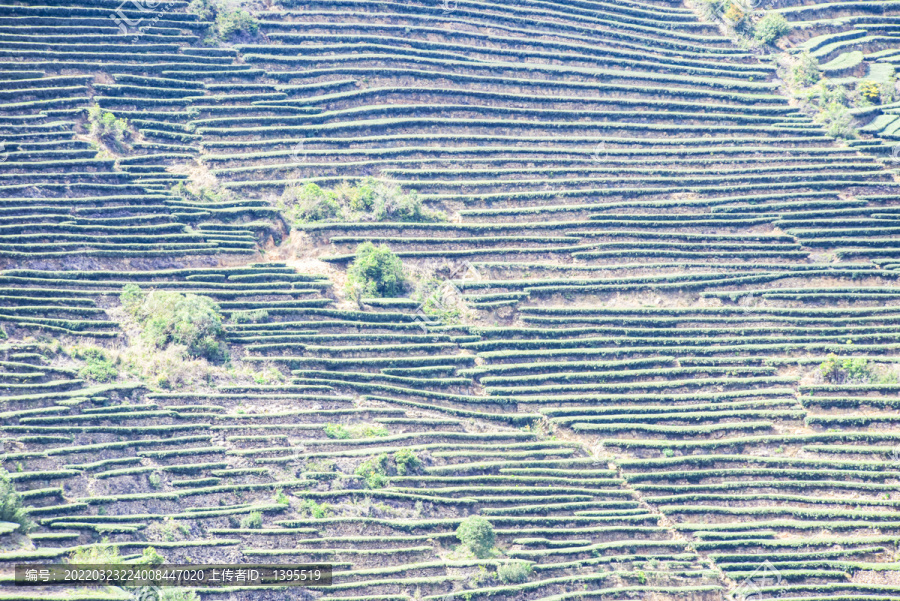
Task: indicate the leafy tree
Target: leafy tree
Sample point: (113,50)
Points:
(172,317)
(477,534)
(310,203)
(377,271)
(771,28)
(11,509)
(107,128)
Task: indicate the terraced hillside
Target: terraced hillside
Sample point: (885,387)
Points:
(673,372)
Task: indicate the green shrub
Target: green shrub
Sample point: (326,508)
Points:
(477,535)
(171,317)
(230,23)
(377,271)
(770,28)
(309,203)
(318,511)
(392,204)
(252,520)
(406,461)
(131,298)
(255,316)
(11,509)
(515,571)
(98,366)
(369,200)
(108,129)
(440,300)
(150,557)
(805,71)
(176,594)
(155,480)
(374,471)
(341,431)
(839,371)
(104,552)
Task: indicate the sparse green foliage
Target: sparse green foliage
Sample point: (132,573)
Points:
(11,509)
(252,520)
(377,271)
(176,594)
(770,28)
(229,20)
(98,366)
(103,552)
(514,571)
(230,23)
(150,557)
(316,510)
(107,128)
(374,471)
(805,72)
(171,317)
(255,316)
(839,370)
(369,200)
(155,480)
(477,535)
(309,203)
(406,461)
(341,431)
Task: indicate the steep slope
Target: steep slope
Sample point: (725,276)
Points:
(666,250)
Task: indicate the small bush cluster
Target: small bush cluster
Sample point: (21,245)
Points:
(341,431)
(252,520)
(770,28)
(171,317)
(369,200)
(515,572)
(315,510)
(98,366)
(11,509)
(102,553)
(376,471)
(229,21)
(839,370)
(376,272)
(477,536)
(108,129)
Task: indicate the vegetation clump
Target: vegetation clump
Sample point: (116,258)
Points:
(229,20)
(341,431)
(108,129)
(837,370)
(770,28)
(369,200)
(11,509)
(515,572)
(376,471)
(376,272)
(98,366)
(171,317)
(477,536)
